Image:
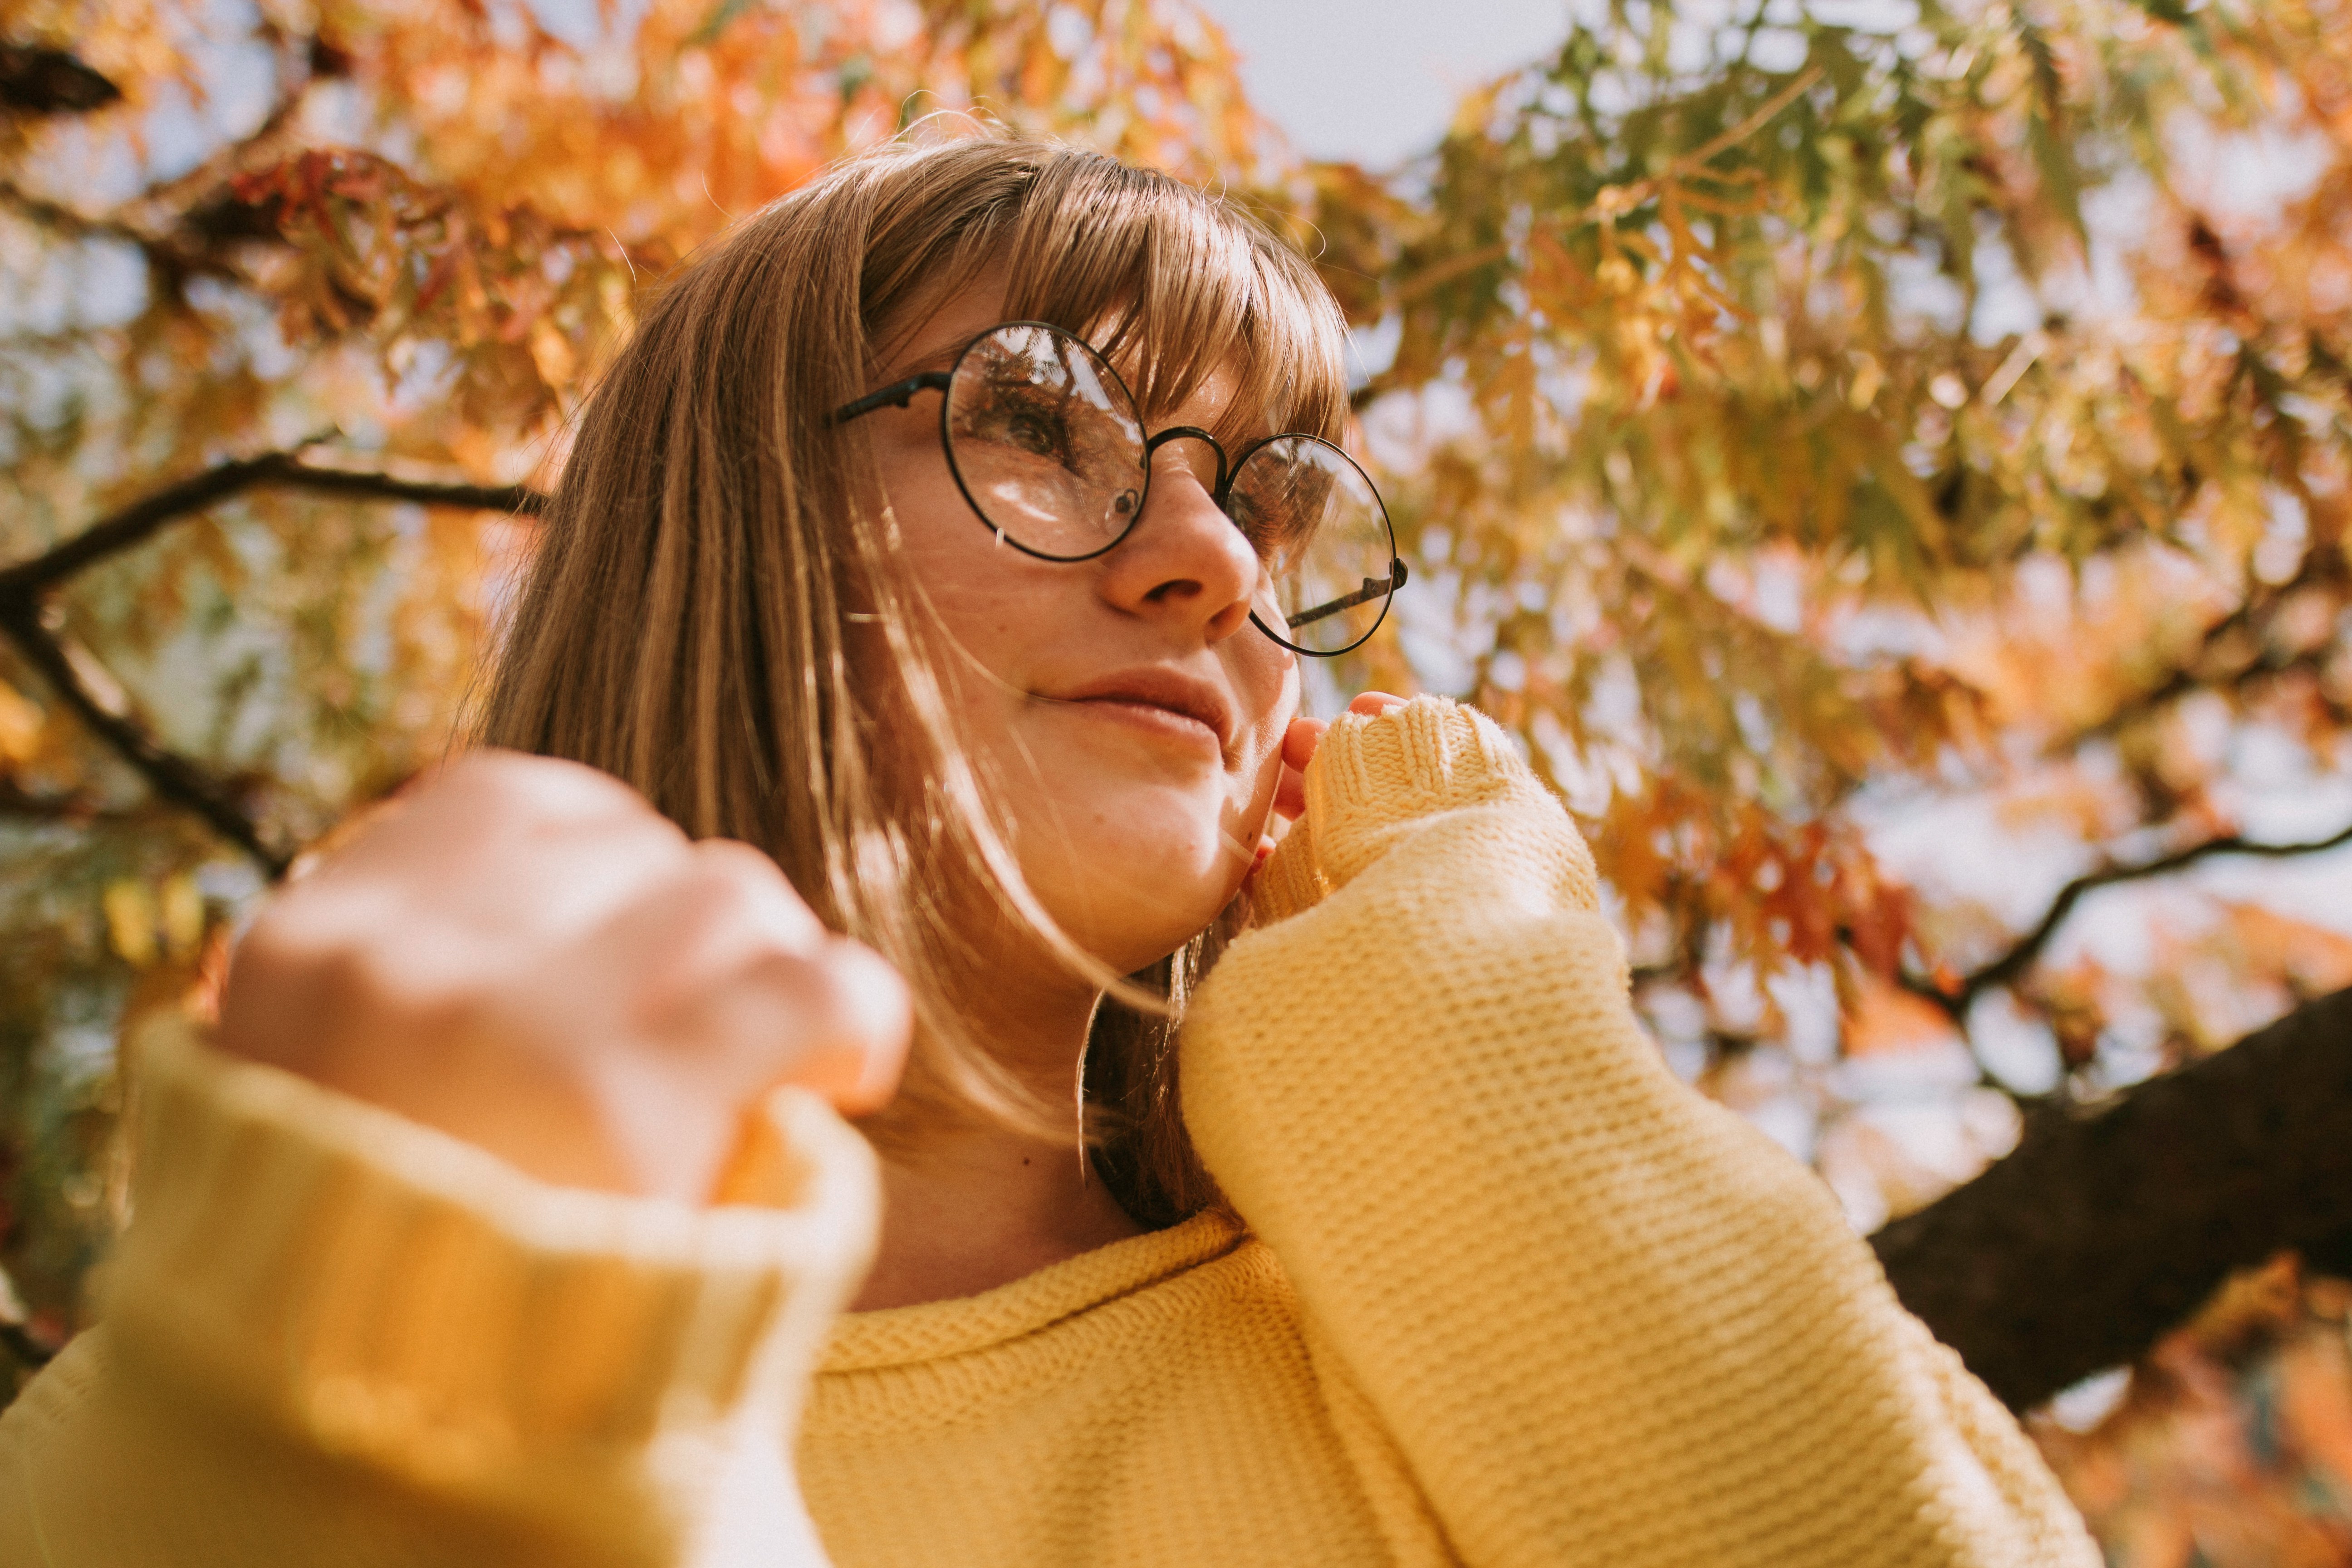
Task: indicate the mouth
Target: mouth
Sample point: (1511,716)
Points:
(1176,704)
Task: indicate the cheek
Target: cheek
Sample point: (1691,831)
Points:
(989,598)
(1266,683)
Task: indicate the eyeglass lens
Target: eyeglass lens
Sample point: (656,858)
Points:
(1049,448)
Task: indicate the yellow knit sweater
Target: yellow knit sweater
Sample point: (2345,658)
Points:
(1503,1292)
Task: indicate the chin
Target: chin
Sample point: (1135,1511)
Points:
(1134,899)
(1130,932)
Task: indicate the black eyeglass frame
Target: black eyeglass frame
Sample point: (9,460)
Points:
(901,395)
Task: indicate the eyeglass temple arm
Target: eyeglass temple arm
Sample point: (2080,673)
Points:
(1373,588)
(897,394)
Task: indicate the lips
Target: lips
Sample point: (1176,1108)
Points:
(1169,690)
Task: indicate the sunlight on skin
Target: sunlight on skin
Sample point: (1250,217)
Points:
(1147,736)
(1135,823)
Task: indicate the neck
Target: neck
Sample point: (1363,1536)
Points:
(968,1205)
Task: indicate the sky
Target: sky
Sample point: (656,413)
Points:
(1375,82)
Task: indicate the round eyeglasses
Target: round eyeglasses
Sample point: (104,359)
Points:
(1046,445)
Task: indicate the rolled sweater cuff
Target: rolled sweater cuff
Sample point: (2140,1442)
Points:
(410,1302)
(1376,776)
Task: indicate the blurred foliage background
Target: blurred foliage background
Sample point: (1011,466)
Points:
(1888,459)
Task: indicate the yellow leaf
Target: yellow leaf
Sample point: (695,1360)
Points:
(131,920)
(183,915)
(1867,379)
(551,353)
(20,726)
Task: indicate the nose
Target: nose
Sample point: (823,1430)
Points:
(1185,562)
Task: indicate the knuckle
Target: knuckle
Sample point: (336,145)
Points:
(358,977)
(751,887)
(713,891)
(548,790)
(288,936)
(847,994)
(334,969)
(732,858)
(308,985)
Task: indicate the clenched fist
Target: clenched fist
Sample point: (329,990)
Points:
(523,954)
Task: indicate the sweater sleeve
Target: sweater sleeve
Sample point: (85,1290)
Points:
(1603,1320)
(331,1336)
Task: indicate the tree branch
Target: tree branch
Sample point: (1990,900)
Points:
(170,775)
(2108,1225)
(2323,566)
(2021,955)
(141,519)
(17,801)
(185,224)
(2270,665)
(36,79)
(181,191)
(56,215)
(167,253)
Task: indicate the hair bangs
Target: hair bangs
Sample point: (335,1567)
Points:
(1173,286)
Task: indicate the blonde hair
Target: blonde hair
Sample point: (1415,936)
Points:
(686,622)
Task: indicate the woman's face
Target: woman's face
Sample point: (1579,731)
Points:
(1130,710)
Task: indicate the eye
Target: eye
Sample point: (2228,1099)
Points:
(1275,532)
(1037,432)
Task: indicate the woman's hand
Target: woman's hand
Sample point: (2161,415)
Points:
(1298,745)
(523,954)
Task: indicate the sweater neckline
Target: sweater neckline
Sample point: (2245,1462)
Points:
(897,1336)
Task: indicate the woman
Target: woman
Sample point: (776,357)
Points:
(954,534)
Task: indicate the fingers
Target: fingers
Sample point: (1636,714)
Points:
(869,1010)
(1300,741)
(513,823)
(482,798)
(522,952)
(764,902)
(471,849)
(737,975)
(854,1017)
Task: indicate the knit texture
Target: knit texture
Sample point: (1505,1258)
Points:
(1497,1290)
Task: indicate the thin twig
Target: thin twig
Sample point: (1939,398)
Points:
(2325,566)
(141,519)
(156,219)
(175,193)
(1765,113)
(58,215)
(2021,955)
(17,801)
(2181,681)
(168,774)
